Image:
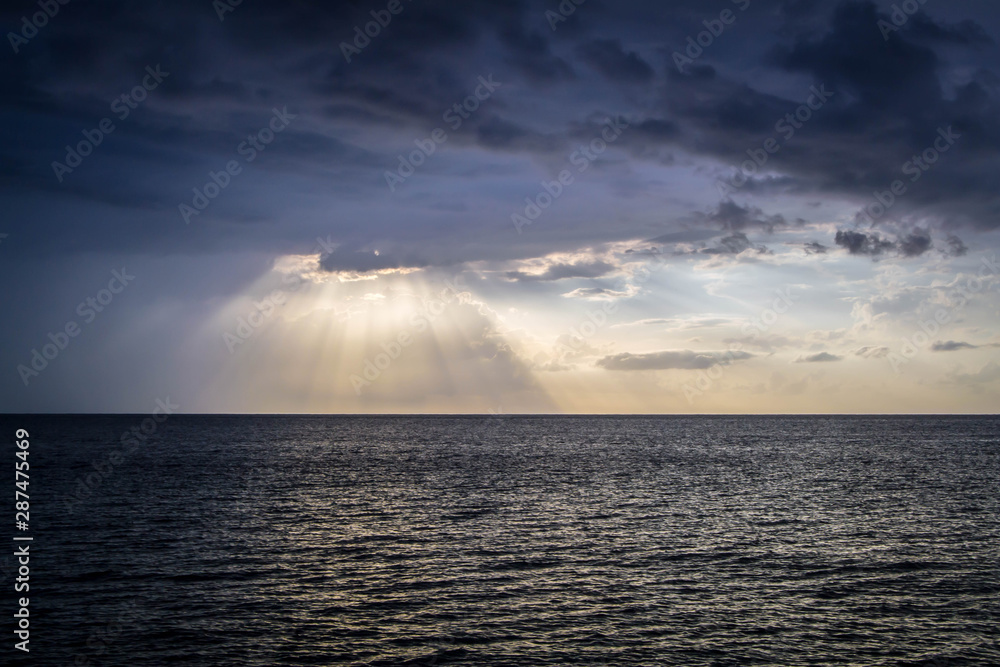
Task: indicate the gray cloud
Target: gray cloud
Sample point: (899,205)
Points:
(531,54)
(915,243)
(732,217)
(861,243)
(987,374)
(671,359)
(768,343)
(910,244)
(966,32)
(366,261)
(595,293)
(563,271)
(820,357)
(609,58)
(733,244)
(951,346)
(956,248)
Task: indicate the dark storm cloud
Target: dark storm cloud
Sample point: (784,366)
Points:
(966,32)
(609,58)
(891,80)
(915,243)
(343,259)
(655,129)
(531,54)
(888,106)
(862,243)
(890,99)
(853,56)
(503,135)
(911,244)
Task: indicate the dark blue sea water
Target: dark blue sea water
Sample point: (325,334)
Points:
(718,541)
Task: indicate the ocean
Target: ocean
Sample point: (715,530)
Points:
(691,541)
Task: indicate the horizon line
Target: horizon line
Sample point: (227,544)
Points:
(508,414)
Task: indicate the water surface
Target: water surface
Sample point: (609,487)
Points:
(690,541)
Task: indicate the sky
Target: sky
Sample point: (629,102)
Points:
(410,206)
